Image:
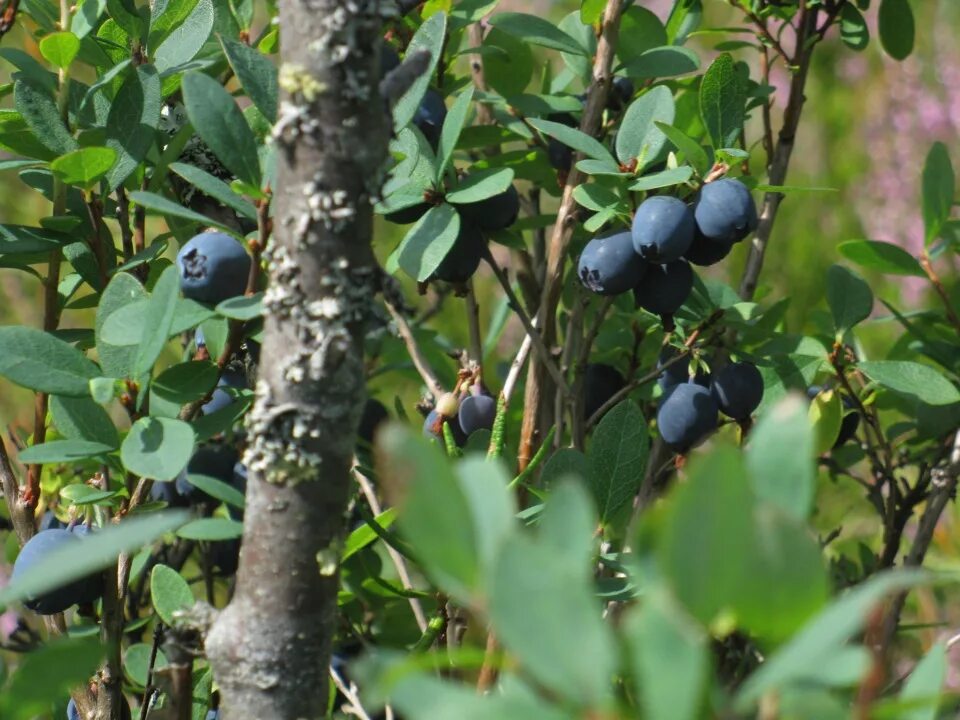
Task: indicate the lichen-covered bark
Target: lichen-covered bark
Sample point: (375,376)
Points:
(270,647)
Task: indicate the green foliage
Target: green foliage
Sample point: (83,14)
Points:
(614,578)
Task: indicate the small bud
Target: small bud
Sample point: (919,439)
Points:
(448,405)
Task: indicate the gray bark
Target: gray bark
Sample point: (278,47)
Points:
(270,647)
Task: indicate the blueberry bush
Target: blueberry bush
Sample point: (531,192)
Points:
(386,370)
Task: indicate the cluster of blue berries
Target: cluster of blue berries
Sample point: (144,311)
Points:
(474,410)
(653,258)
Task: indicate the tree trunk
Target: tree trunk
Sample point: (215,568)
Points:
(270,647)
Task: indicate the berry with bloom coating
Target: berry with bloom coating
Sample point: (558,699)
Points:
(608,264)
(662,229)
(477,412)
(213,266)
(38,548)
(664,288)
(686,415)
(738,389)
(725,211)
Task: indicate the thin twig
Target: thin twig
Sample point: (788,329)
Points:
(516,367)
(941,290)
(399,563)
(473,324)
(355,707)
(413,349)
(544,355)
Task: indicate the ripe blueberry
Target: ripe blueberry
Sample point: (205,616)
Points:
(687,414)
(225,555)
(430,116)
(72,712)
(608,264)
(664,288)
(433,428)
(221,398)
(198,338)
(78,592)
(738,389)
(494,213)
(476,412)
(167,492)
(621,91)
(600,383)
(213,267)
(49,521)
(725,211)
(662,229)
(463,259)
(703,251)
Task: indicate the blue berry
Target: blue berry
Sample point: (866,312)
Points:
(214,460)
(600,383)
(662,229)
(608,264)
(494,213)
(213,267)
(686,415)
(408,215)
(678,372)
(725,211)
(432,428)
(464,256)
(49,521)
(477,412)
(78,592)
(703,251)
(738,389)
(430,116)
(559,155)
(374,413)
(664,288)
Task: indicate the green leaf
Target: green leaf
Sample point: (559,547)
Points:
(664,178)
(65,451)
(479,185)
(784,581)
(16,239)
(492,507)
(427,243)
(84,167)
(60,48)
(825,635)
(122,290)
(220,123)
(896,24)
(218,489)
(180,384)
(158,320)
(597,197)
(452,127)
(169,592)
(17,137)
(565,645)
(245,307)
(722,102)
(663,62)
(256,73)
(572,137)
(78,494)
(509,70)
(87,17)
(618,458)
(83,419)
(697,542)
(939,186)
(640,30)
(692,151)
(124,14)
(669,657)
(780,458)
(157,447)
(924,686)
(39,110)
(94,553)
(787,372)
(638,136)
(591,11)
(215,188)
(429,36)
(211,529)
(853,27)
(364,535)
(434,514)
(912,379)
(136,662)
(36,360)
(186,38)
(569,520)
(881,256)
(132,122)
(49,671)
(536,30)
(160,204)
(849,297)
